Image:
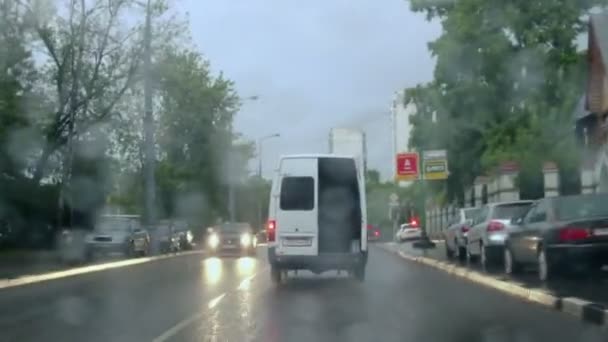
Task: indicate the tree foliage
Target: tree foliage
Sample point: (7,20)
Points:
(507,79)
(71,118)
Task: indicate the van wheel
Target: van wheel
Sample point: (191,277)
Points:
(359,273)
(275,275)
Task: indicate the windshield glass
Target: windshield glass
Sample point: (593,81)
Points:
(235,227)
(509,211)
(470,214)
(581,207)
(114,224)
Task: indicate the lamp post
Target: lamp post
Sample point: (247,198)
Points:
(259,201)
(150,158)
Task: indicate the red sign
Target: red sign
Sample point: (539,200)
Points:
(407,166)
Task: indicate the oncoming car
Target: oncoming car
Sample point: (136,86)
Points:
(234,237)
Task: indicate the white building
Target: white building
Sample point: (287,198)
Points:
(349,141)
(400,122)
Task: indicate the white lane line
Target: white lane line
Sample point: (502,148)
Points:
(215,301)
(246,283)
(171,332)
(178,327)
(30,279)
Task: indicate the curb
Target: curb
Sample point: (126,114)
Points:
(586,311)
(38,278)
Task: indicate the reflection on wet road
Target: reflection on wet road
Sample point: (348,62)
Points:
(192,298)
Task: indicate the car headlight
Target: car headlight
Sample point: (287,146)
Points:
(246,239)
(213,241)
(189,236)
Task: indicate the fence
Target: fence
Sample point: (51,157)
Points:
(501,186)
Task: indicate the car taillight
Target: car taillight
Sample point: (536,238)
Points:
(495,226)
(271,230)
(570,234)
(376,233)
(464,229)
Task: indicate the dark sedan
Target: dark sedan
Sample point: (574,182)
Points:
(233,238)
(559,234)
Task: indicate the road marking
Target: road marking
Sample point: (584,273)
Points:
(31,279)
(186,322)
(178,327)
(215,301)
(246,283)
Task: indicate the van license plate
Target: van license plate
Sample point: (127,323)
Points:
(297,242)
(600,231)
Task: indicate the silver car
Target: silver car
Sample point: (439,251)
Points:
(118,235)
(486,239)
(457,232)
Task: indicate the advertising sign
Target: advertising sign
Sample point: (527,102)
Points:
(407,166)
(435,165)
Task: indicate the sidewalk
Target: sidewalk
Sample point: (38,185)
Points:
(16,263)
(588,288)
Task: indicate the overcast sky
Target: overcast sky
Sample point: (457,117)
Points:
(315,64)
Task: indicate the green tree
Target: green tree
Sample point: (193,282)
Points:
(195,120)
(506,81)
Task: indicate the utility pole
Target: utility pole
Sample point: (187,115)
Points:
(150,158)
(231,178)
(261,179)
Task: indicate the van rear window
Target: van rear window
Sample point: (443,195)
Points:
(297,193)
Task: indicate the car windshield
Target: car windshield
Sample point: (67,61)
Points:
(114,225)
(300,122)
(234,227)
(509,211)
(581,207)
(470,214)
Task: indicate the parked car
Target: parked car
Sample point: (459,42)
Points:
(408,232)
(373,233)
(559,234)
(118,234)
(486,239)
(168,238)
(457,231)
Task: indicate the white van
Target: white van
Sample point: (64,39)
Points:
(317,216)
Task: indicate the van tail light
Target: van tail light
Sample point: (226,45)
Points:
(464,229)
(571,234)
(495,226)
(271,230)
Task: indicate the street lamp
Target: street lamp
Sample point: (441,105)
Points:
(259,201)
(231,166)
(149,165)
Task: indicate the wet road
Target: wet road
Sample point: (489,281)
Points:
(191,298)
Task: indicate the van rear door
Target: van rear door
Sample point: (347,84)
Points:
(296,215)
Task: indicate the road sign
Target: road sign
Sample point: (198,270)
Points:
(435,165)
(407,166)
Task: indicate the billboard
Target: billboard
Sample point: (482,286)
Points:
(435,165)
(407,166)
